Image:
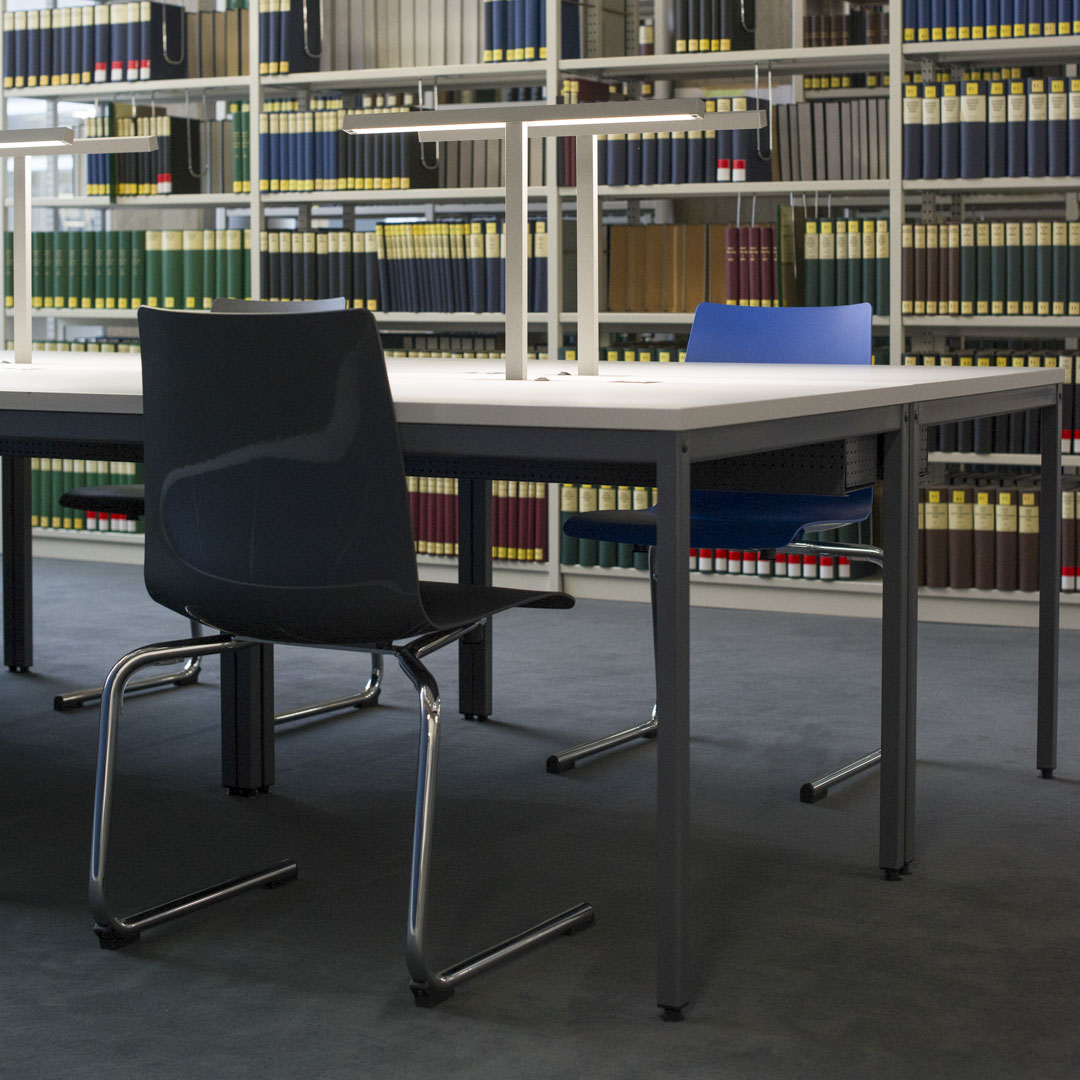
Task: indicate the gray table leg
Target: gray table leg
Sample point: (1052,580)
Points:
(247,719)
(474,568)
(1049,585)
(18,565)
(899,613)
(673,712)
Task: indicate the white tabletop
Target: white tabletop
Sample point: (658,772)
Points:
(625,396)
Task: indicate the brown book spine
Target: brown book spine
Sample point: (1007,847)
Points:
(984,542)
(731,259)
(961,538)
(919,291)
(1068,539)
(637,270)
(1027,545)
(1005,536)
(952,262)
(717,264)
(907,270)
(513,520)
(655,262)
(937,537)
(745,257)
(540,544)
(695,262)
(754,265)
(768,266)
(933,271)
(427,533)
(618,257)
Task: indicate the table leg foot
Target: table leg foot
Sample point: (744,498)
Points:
(249,792)
(672,1014)
(427,997)
(893,874)
(1047,774)
(478,718)
(19,669)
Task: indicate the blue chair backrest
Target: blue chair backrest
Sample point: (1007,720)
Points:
(728,333)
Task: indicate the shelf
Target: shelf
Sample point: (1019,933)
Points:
(1022,186)
(216,86)
(1030,325)
(531,73)
(664,318)
(419,196)
(957,457)
(136,202)
(846,92)
(101,315)
(778,188)
(1010,51)
(828,61)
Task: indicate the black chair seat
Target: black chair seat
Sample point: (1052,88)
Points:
(449,604)
(126,499)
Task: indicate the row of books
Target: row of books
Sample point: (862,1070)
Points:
(449,346)
(970,130)
(101,43)
(121,269)
(864,25)
(991,268)
(84,344)
(1010,433)
(216,42)
(51,477)
(518,517)
(989,20)
(846,261)
(845,80)
(440,266)
(695,157)
(290,36)
(516,30)
(703,26)
(831,140)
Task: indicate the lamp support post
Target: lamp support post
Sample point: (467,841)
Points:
(516,150)
(588,258)
(20,260)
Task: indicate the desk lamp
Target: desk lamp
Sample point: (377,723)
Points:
(515,124)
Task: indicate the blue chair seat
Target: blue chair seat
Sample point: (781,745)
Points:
(731,519)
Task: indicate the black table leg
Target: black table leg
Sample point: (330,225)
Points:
(247,719)
(1049,585)
(474,568)
(899,638)
(18,566)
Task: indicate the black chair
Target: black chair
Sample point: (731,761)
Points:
(277,512)
(127,499)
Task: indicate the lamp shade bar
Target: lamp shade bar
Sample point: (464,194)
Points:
(124,144)
(35,140)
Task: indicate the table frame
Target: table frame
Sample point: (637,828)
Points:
(663,457)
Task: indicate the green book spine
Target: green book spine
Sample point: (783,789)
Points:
(811,249)
(234,264)
(868,265)
(568,506)
(854,264)
(101,279)
(826,264)
(172,268)
(209,269)
(47,253)
(1072,302)
(881,271)
(641,501)
(56,489)
(588,553)
(138,267)
(35,492)
(1044,267)
(221,263)
(967,268)
(624,500)
(74,269)
(246,262)
(607,551)
(998,284)
(1028,267)
(1059,268)
(137,476)
(9,269)
(112,268)
(237,143)
(37,261)
(193,268)
(78,479)
(59,268)
(123,270)
(245,161)
(1014,268)
(86,270)
(152,267)
(982,268)
(840,254)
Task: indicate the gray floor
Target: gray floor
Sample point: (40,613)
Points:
(806,963)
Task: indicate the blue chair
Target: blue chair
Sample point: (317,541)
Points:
(747,521)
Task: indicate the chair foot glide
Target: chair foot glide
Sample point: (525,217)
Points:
(672,1014)
(568,759)
(108,938)
(427,997)
(816,790)
(1047,774)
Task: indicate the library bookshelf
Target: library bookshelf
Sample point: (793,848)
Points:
(779,64)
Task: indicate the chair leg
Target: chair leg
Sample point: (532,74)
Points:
(188,673)
(113,931)
(566,760)
(816,790)
(428,986)
(368,696)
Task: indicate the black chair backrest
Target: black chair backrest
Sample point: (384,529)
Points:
(225,305)
(276,505)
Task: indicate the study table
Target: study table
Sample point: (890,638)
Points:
(463,418)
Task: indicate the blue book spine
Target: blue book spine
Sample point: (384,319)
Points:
(663,158)
(1037,119)
(1016,130)
(1057,129)
(695,158)
(963,20)
(633,158)
(1019,17)
(648,157)
(911,20)
(950,131)
(492,277)
(1074,127)
(978,20)
(601,159)
(973,131)
(571,30)
(996,130)
(912,132)
(1076,16)
(937,20)
(931,132)
(952,20)
(678,157)
(616,160)
(534,14)
(1035,17)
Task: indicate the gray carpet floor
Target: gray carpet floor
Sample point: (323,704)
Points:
(805,962)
